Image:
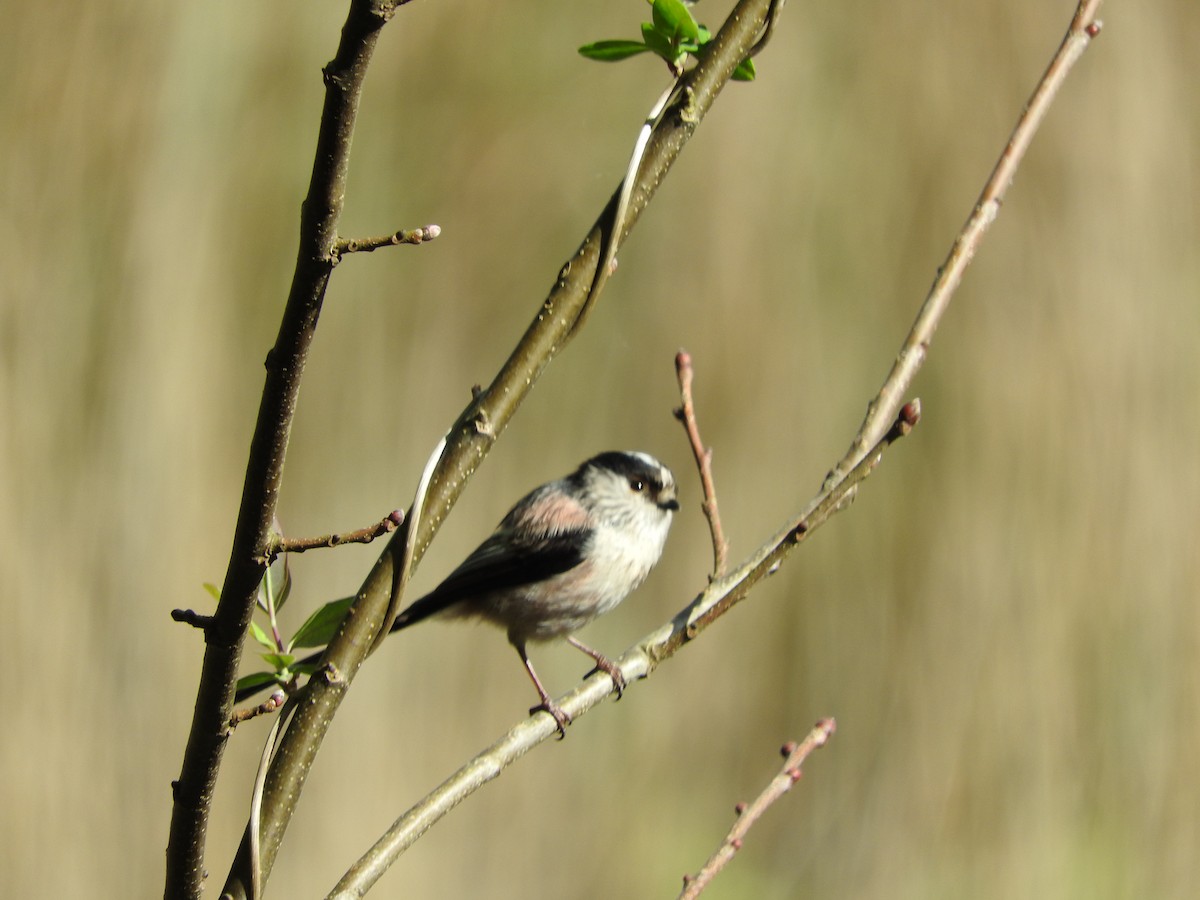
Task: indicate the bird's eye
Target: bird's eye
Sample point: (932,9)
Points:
(637,485)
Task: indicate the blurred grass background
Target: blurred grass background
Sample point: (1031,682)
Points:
(1004,624)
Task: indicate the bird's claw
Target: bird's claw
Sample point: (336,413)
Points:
(613,671)
(561,718)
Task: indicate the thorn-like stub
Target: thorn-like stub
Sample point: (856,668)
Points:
(1093,28)
(483,424)
(787,749)
(739,808)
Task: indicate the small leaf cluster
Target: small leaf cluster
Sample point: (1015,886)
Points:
(672,34)
(316,631)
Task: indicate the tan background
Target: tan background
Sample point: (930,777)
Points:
(1004,624)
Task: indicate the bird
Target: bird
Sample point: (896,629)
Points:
(566,553)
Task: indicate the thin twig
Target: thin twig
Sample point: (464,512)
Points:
(687,415)
(191,617)
(882,409)
(272,703)
(366,245)
(748,814)
(386,525)
(635,663)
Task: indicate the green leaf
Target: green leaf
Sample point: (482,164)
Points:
(213,591)
(744,71)
(660,44)
(281,661)
(318,629)
(286,587)
(612,51)
(673,20)
(258,679)
(262,637)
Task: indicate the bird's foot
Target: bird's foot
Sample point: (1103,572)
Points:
(561,719)
(610,668)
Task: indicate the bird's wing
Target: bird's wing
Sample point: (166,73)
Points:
(516,554)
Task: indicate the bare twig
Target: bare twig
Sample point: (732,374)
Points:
(687,415)
(191,617)
(367,245)
(882,409)
(386,525)
(272,703)
(635,663)
(1084,27)
(794,755)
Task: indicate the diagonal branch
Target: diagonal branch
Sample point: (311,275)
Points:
(285,363)
(748,814)
(472,435)
(1084,26)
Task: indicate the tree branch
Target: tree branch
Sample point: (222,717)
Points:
(369,245)
(366,535)
(285,363)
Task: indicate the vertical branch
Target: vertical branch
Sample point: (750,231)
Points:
(225,634)
(687,415)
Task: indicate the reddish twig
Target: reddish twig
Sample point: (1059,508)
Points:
(748,814)
(687,415)
(882,409)
(365,245)
(384,526)
(272,703)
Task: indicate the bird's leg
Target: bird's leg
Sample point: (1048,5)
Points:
(547,704)
(603,664)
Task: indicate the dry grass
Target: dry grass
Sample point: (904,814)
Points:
(1005,623)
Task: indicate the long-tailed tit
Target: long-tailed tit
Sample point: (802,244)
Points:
(569,551)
